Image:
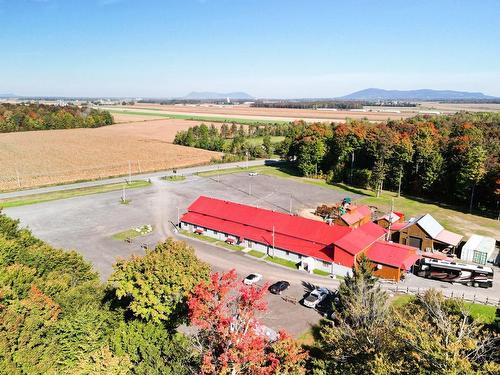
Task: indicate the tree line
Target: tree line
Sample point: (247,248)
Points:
(27,117)
(57,317)
(233,140)
(327,104)
(449,157)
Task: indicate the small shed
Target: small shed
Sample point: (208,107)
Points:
(426,234)
(391,260)
(478,249)
(355,216)
(390,219)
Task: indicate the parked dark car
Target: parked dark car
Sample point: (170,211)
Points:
(329,306)
(279,287)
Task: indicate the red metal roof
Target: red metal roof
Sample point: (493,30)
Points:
(392,254)
(360,238)
(398,226)
(356,214)
(297,234)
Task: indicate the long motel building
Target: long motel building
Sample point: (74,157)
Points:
(309,243)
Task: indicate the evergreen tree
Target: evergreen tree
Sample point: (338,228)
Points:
(363,331)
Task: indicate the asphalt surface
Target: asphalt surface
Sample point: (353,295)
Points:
(87,223)
(143,176)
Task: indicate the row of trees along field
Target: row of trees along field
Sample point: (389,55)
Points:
(450,157)
(234,139)
(333,104)
(57,317)
(26,117)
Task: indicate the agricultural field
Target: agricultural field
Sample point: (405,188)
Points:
(36,158)
(120,117)
(263,114)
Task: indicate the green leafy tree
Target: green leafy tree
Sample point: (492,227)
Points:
(267,145)
(157,284)
(153,349)
(428,160)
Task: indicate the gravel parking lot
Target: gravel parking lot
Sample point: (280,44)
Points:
(87,224)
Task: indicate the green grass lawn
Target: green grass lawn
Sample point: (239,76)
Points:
(230,246)
(256,254)
(283,262)
(63,194)
(174,178)
(257,141)
(129,233)
(321,273)
(198,236)
(213,241)
(206,118)
(483,313)
(452,218)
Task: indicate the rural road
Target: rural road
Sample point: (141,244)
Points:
(144,176)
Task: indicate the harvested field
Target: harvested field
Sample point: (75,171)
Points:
(125,117)
(37,158)
(245,111)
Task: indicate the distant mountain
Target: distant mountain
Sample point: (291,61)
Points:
(195,95)
(424,94)
(7,96)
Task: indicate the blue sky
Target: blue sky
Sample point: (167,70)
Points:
(268,48)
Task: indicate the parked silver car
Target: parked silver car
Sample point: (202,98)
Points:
(315,297)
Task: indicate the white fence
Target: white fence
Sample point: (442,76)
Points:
(468,297)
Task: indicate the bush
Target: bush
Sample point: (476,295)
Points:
(361,177)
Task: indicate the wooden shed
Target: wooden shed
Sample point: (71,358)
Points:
(426,234)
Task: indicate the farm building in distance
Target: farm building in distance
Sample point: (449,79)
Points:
(309,243)
(426,234)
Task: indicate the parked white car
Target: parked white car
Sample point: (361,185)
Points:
(253,174)
(315,297)
(253,278)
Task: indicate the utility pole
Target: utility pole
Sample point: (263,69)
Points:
(352,166)
(129,172)
(246,154)
(399,185)
(139,166)
(290,204)
(18,179)
(123,195)
(388,236)
(178,217)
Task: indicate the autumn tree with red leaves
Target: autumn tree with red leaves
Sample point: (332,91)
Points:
(230,338)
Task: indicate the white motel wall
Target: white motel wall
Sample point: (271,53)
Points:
(332,268)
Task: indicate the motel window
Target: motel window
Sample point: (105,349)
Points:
(287,253)
(326,264)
